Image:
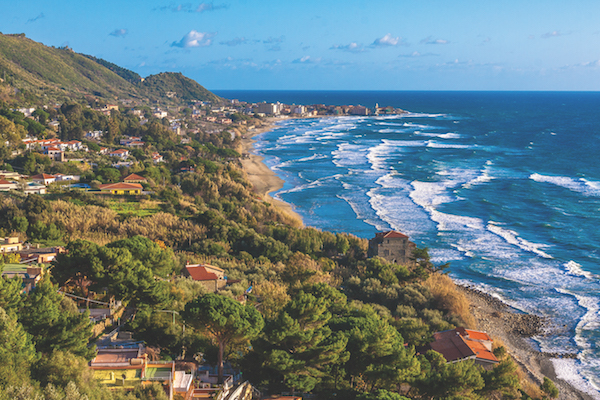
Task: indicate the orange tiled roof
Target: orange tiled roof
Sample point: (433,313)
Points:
(475,335)
(199,273)
(134,177)
(455,345)
(5,182)
(391,234)
(43,176)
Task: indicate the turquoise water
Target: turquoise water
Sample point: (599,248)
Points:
(503,185)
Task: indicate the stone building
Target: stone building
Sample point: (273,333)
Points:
(393,246)
(213,278)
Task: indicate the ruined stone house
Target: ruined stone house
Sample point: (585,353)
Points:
(392,246)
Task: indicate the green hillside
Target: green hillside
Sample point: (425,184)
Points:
(158,86)
(60,73)
(124,73)
(57,72)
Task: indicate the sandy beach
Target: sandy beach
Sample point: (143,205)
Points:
(515,329)
(262,178)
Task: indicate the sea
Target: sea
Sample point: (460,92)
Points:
(503,186)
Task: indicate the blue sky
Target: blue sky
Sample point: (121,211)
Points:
(331,44)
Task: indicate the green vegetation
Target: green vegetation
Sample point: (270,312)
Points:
(158,86)
(124,73)
(40,71)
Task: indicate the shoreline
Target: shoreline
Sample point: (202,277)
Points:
(493,316)
(515,330)
(264,180)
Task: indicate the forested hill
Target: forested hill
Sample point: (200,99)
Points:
(159,86)
(40,71)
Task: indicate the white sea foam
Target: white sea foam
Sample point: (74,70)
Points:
(389,130)
(379,155)
(444,145)
(424,115)
(315,156)
(393,206)
(483,178)
(580,185)
(513,238)
(568,370)
(590,320)
(448,135)
(348,155)
(310,185)
(575,269)
(588,324)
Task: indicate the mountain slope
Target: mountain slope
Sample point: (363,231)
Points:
(60,73)
(175,82)
(31,66)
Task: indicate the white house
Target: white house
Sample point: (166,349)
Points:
(43,179)
(121,153)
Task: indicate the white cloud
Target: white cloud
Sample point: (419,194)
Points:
(195,39)
(352,48)
(388,40)
(553,34)
(588,64)
(119,33)
(306,60)
(416,54)
(209,7)
(430,40)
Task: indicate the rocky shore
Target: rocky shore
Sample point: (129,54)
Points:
(515,330)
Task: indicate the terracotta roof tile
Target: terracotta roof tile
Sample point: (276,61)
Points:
(455,345)
(199,273)
(134,177)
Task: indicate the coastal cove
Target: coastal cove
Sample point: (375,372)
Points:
(497,184)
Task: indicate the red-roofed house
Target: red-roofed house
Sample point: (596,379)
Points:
(464,344)
(156,158)
(134,178)
(5,185)
(122,153)
(210,276)
(121,188)
(44,179)
(393,246)
(55,153)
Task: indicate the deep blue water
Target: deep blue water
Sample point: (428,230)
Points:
(503,185)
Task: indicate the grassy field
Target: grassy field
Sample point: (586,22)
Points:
(133,207)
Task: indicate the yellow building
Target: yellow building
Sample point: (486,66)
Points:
(10,244)
(122,188)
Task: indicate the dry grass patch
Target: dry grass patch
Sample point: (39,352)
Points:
(449,298)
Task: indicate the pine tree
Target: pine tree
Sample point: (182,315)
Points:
(17,352)
(298,347)
(10,294)
(378,357)
(223,319)
(55,323)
